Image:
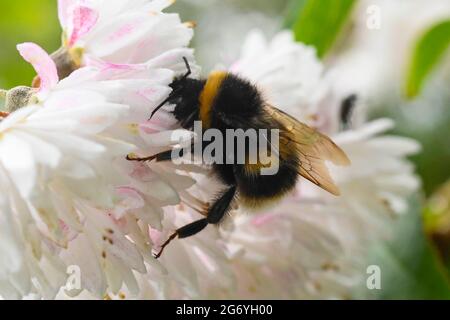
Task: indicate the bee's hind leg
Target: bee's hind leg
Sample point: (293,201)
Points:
(215,216)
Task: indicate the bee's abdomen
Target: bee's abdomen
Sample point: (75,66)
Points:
(256,190)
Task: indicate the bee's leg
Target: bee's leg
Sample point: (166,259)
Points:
(175,92)
(188,67)
(221,206)
(215,215)
(161,157)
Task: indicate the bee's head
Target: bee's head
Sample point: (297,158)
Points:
(185,97)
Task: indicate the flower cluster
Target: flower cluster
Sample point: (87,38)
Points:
(69,197)
(311,245)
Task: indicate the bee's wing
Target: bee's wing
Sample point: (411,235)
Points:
(312,148)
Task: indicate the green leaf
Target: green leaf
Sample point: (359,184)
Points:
(409,265)
(292,12)
(437,223)
(319,22)
(25,21)
(428,52)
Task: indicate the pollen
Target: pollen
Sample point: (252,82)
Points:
(133,128)
(190,24)
(77,56)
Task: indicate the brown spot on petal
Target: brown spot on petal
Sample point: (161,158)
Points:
(330,267)
(317,286)
(252,289)
(387,204)
(36,82)
(313,117)
(4,114)
(104,254)
(190,24)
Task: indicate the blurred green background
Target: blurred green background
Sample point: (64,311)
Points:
(22,21)
(420,256)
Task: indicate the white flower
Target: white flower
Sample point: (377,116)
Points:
(135,43)
(122,33)
(70,198)
(80,199)
(311,245)
(64,155)
(113,249)
(287,72)
(53,153)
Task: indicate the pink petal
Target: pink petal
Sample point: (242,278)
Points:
(155,236)
(64,9)
(263,220)
(42,63)
(81,20)
(110,71)
(131,200)
(123,31)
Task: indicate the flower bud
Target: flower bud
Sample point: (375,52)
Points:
(19,97)
(67,60)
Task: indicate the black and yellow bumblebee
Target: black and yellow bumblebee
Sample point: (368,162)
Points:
(225,101)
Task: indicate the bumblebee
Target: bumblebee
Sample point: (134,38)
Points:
(225,101)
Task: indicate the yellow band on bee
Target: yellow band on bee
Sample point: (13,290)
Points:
(208,95)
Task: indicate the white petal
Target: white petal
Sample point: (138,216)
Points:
(18,159)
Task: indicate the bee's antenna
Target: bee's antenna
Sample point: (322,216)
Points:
(189,72)
(161,105)
(188,66)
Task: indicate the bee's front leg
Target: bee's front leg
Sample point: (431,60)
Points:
(160,157)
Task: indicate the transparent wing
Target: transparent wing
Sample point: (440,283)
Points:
(312,147)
